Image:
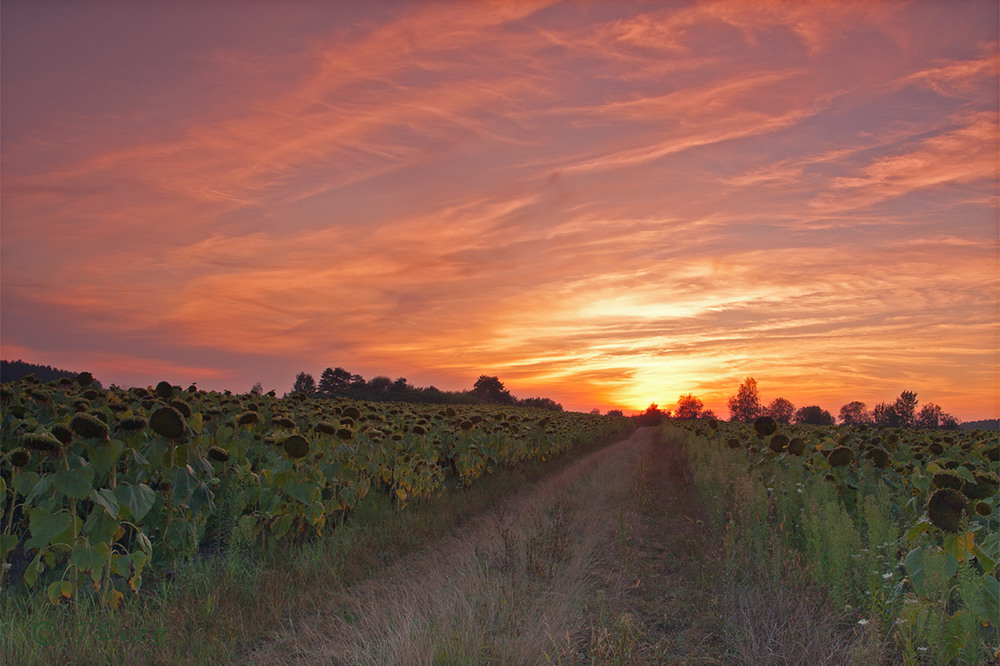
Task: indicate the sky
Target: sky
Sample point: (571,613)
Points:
(605,203)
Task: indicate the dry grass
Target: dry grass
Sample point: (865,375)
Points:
(512,586)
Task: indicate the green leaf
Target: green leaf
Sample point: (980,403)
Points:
(179,537)
(47,527)
(959,630)
(281,479)
(34,570)
(959,545)
(991,545)
(59,589)
(121,564)
(102,456)
(196,422)
(138,499)
(201,498)
(139,559)
(76,483)
(991,598)
(314,512)
(984,560)
(137,458)
(41,487)
(106,498)
(184,484)
(964,473)
(7,544)
(332,471)
(281,525)
(223,435)
(921,483)
(90,558)
(100,525)
(918,528)
(307,493)
(925,565)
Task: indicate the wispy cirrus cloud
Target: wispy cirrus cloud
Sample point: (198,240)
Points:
(610,203)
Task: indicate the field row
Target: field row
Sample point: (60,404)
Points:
(900,527)
(101,487)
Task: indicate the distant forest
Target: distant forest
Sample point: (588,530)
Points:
(336,382)
(985,424)
(14,370)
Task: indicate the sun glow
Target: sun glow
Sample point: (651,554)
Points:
(608,204)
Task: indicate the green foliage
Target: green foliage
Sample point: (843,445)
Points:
(93,500)
(883,519)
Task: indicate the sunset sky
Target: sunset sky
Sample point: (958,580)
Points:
(606,203)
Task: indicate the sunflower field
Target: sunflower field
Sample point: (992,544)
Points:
(899,527)
(101,487)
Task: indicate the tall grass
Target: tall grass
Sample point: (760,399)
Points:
(785,571)
(788,529)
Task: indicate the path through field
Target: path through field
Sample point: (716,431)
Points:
(599,563)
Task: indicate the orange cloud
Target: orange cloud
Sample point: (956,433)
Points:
(609,204)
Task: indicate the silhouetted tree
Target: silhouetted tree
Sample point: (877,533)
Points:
(932,416)
(14,370)
(781,410)
(688,407)
(651,417)
(855,413)
(380,384)
(708,414)
(304,383)
(615,412)
(491,389)
(745,405)
(884,414)
(814,415)
(334,381)
(905,408)
(257,389)
(543,403)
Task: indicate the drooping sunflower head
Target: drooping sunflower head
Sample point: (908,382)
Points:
(167,422)
(88,426)
(841,456)
(765,425)
(296,446)
(946,507)
(164,390)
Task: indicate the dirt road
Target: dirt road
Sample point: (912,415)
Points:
(598,563)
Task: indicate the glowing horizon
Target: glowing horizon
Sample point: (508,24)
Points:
(607,204)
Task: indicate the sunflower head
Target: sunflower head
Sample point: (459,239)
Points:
(89,426)
(296,446)
(946,507)
(167,422)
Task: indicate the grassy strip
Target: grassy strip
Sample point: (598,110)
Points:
(210,609)
(792,592)
(775,600)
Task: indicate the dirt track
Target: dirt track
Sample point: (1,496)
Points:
(598,562)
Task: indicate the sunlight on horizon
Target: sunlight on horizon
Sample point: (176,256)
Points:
(609,204)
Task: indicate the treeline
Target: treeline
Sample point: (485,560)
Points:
(338,382)
(746,405)
(13,370)
(984,424)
